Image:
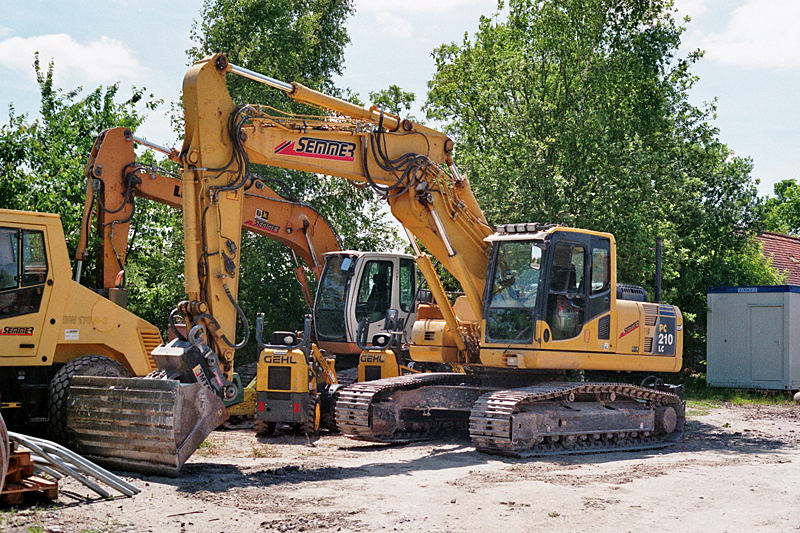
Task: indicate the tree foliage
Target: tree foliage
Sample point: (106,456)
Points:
(43,160)
(783,210)
(394,100)
(577,112)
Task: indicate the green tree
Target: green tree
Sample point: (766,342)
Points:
(783,209)
(394,100)
(290,40)
(43,162)
(577,112)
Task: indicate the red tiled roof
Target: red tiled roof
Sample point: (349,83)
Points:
(784,251)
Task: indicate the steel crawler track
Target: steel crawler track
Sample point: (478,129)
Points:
(353,407)
(551,418)
(492,420)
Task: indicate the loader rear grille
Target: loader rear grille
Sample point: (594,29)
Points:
(279,378)
(150,341)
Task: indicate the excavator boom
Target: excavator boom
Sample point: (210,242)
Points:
(115,179)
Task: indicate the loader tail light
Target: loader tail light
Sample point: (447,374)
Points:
(296,407)
(260,406)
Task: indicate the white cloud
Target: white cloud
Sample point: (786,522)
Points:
(692,8)
(399,17)
(761,33)
(5,31)
(102,61)
(393,25)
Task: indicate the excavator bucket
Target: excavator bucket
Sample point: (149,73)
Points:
(151,426)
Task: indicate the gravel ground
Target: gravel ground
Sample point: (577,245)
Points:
(737,469)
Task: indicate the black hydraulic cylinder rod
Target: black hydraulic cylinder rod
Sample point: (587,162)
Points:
(659,241)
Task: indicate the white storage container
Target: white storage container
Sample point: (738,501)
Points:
(754,337)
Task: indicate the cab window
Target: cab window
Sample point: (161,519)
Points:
(601,267)
(566,300)
(374,291)
(23,271)
(407,284)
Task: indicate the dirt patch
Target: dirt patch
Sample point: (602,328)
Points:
(737,469)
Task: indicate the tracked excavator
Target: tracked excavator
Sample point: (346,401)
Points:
(539,300)
(354,285)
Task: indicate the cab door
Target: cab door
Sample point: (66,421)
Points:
(598,310)
(24,291)
(406,289)
(385,282)
(374,296)
(567,291)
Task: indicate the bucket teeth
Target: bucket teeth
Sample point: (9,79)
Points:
(151,426)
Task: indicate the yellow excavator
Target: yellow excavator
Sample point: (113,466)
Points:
(539,300)
(115,179)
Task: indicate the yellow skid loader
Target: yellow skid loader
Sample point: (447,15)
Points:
(54,332)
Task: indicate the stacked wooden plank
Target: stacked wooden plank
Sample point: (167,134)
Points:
(21,482)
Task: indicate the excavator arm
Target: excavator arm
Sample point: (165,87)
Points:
(115,179)
(407,163)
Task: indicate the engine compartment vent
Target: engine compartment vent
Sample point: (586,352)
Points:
(631,292)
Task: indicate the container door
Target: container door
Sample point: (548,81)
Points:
(766,343)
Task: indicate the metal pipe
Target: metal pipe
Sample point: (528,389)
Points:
(58,465)
(413,241)
(90,468)
(72,464)
(63,466)
(152,145)
(255,76)
(46,469)
(442,234)
(659,241)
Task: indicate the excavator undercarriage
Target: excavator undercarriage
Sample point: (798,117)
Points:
(548,418)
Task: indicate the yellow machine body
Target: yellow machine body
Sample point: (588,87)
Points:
(48,318)
(290,386)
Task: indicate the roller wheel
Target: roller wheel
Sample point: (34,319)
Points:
(265,428)
(328,410)
(5,452)
(314,417)
(87,365)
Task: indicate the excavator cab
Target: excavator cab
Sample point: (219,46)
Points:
(552,290)
(362,285)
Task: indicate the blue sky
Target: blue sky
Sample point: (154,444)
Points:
(752,62)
